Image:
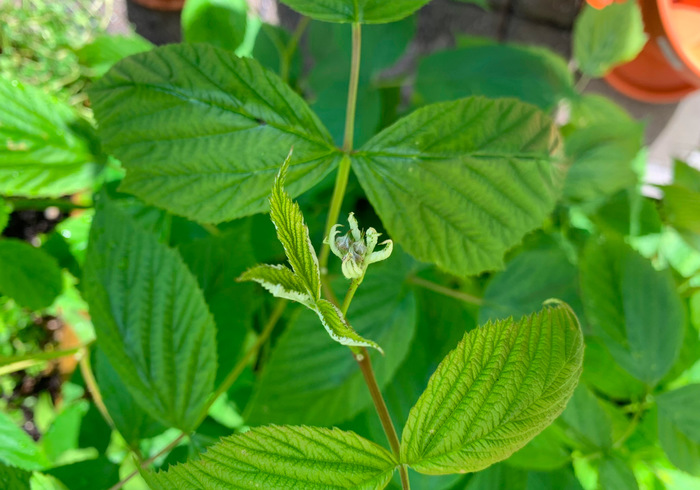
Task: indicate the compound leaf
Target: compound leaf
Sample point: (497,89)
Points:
(503,384)
(46,148)
(150,318)
(284,457)
(201,131)
(294,235)
(608,37)
(441,176)
(362,11)
(633,308)
(29,276)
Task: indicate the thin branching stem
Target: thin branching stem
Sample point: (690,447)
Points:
(445,291)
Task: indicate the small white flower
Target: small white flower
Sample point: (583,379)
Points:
(356,248)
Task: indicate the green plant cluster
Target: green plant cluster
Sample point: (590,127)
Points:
(302,279)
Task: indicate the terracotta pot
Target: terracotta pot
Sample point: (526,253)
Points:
(668,68)
(162,5)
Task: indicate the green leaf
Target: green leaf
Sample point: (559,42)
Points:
(362,11)
(606,376)
(601,159)
(29,276)
(633,308)
(533,75)
(338,327)
(615,474)
(586,422)
(14,478)
(150,318)
(525,284)
(293,234)
(63,433)
(104,51)
(46,148)
(682,200)
(310,379)
(87,475)
(679,427)
(442,175)
(280,281)
(503,384)
(132,421)
(222,167)
(221,23)
(546,452)
(608,37)
(216,262)
(284,457)
(39,481)
(5,211)
(17,448)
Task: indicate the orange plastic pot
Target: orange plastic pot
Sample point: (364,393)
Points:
(668,68)
(162,5)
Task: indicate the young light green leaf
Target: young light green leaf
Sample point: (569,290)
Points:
(29,276)
(150,318)
(17,448)
(503,384)
(46,148)
(442,175)
(679,427)
(294,235)
(605,38)
(280,282)
(362,11)
(284,457)
(338,328)
(633,308)
(205,21)
(223,166)
(533,75)
(99,55)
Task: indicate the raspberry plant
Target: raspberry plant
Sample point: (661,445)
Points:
(226,352)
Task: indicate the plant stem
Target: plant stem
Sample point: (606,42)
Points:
(243,362)
(365,364)
(150,460)
(92,387)
(350,294)
(341,181)
(291,47)
(467,298)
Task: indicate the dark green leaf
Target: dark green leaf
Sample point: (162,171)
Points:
(545,452)
(150,318)
(5,211)
(130,420)
(615,474)
(633,308)
(679,427)
(221,23)
(202,132)
(46,147)
(608,37)
(310,379)
(503,384)
(533,75)
(284,457)
(362,11)
(442,175)
(586,422)
(87,475)
(606,376)
(29,276)
(531,278)
(14,478)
